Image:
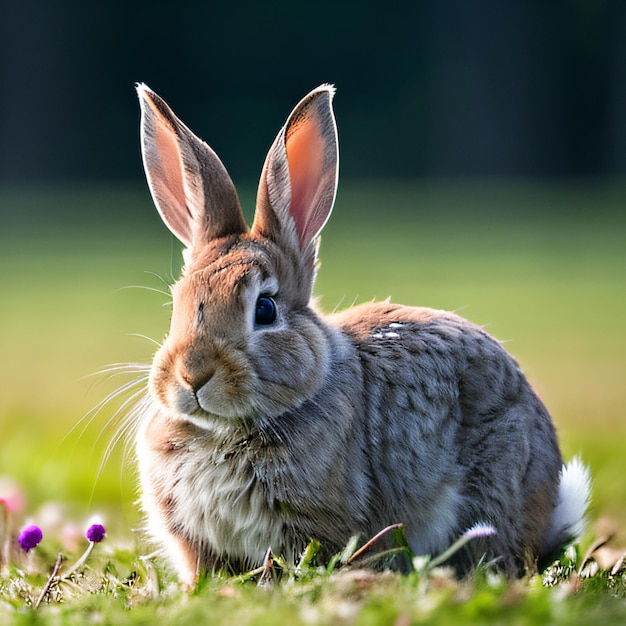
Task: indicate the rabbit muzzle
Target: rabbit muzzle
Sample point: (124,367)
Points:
(205,381)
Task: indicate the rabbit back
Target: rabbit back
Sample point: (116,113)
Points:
(461,436)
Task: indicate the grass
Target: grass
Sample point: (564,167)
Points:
(542,266)
(117,587)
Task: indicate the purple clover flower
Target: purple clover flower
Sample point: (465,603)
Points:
(29,537)
(95,533)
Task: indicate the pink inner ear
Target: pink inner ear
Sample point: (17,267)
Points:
(170,160)
(167,181)
(305,156)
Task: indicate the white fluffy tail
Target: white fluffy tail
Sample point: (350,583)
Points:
(569,516)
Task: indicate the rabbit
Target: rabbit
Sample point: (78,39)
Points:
(268,423)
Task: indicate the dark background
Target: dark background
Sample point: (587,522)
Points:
(436,89)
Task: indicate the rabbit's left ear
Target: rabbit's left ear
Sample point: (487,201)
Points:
(189,184)
(299,179)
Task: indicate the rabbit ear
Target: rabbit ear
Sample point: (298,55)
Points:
(189,184)
(299,179)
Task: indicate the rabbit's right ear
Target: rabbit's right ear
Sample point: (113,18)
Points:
(299,179)
(189,184)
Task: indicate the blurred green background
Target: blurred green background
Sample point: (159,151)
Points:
(483,154)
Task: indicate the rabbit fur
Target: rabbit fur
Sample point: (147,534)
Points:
(266,430)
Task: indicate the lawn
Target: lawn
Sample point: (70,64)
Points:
(84,274)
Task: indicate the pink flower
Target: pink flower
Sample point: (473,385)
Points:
(12,496)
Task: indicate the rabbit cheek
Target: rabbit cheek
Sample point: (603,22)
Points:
(161,383)
(290,365)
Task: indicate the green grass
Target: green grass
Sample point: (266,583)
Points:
(543,267)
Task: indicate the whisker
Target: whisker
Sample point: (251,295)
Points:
(88,419)
(128,425)
(173,246)
(133,421)
(338,305)
(154,341)
(129,368)
(146,288)
(113,370)
(122,406)
(118,368)
(161,279)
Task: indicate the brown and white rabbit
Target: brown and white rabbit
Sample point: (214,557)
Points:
(268,423)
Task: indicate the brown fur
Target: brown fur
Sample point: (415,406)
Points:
(262,433)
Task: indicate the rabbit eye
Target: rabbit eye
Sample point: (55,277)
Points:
(265,311)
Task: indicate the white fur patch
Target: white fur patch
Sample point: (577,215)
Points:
(568,518)
(219,504)
(388,332)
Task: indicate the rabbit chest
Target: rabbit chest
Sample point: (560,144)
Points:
(205,492)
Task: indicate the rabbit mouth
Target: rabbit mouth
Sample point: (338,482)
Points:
(220,406)
(205,405)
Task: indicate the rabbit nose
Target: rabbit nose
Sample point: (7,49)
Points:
(194,373)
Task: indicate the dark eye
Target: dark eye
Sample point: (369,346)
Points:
(265,311)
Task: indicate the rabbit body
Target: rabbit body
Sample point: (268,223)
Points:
(269,423)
